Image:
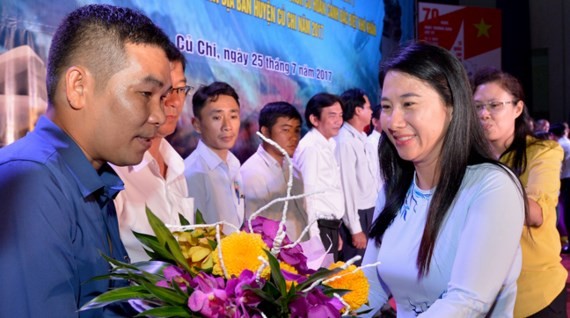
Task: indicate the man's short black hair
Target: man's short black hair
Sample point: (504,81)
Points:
(376,111)
(175,55)
(95,36)
(351,99)
(269,114)
(208,93)
(316,104)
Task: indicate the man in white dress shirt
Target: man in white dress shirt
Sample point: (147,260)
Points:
(266,173)
(357,173)
(211,170)
(372,142)
(320,172)
(158,181)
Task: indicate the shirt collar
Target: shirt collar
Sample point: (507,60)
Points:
(147,159)
(172,158)
(269,160)
(375,133)
(210,157)
(320,139)
(175,165)
(104,184)
(213,160)
(354,132)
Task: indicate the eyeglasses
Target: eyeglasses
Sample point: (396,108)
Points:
(180,92)
(492,106)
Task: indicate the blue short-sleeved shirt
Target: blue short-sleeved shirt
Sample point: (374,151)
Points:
(56,219)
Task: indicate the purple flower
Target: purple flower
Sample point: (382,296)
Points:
(244,299)
(213,297)
(209,296)
(315,304)
(293,277)
(293,256)
(174,274)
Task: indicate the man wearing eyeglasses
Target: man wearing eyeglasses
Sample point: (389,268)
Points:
(158,181)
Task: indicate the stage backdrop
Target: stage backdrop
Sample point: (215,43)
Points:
(472,33)
(268,50)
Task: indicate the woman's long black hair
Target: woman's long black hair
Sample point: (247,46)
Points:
(464,143)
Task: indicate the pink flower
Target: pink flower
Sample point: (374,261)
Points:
(209,296)
(174,274)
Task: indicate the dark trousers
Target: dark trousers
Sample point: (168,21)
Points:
(556,309)
(329,235)
(348,249)
(564,202)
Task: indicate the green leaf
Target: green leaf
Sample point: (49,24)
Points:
(363,312)
(179,290)
(120,270)
(276,274)
(118,294)
(157,250)
(166,311)
(331,291)
(165,238)
(271,289)
(321,273)
(152,267)
(199,219)
(168,295)
(117,263)
(259,292)
(183,220)
(292,292)
(213,244)
(123,276)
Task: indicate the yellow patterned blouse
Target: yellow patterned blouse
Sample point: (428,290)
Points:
(542,276)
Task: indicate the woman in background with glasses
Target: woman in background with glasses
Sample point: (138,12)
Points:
(499,101)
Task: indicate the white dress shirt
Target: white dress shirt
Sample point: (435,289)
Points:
(357,175)
(144,186)
(320,171)
(265,179)
(372,142)
(215,185)
(476,259)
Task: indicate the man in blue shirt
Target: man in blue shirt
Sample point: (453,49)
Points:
(107,75)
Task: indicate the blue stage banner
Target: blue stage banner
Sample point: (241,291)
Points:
(267,50)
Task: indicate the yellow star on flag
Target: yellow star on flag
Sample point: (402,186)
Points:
(482,28)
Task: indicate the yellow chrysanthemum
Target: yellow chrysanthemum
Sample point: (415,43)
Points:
(241,251)
(356,282)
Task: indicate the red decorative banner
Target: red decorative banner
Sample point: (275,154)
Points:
(472,33)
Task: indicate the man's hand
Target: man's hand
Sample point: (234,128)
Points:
(359,240)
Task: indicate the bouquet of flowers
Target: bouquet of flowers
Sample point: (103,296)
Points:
(196,271)
(202,273)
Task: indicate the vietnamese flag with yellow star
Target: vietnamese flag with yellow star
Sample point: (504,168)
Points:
(472,33)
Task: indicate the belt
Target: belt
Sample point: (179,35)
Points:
(329,223)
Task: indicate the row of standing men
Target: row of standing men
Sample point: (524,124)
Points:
(334,162)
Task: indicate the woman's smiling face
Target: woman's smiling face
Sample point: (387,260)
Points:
(414,117)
